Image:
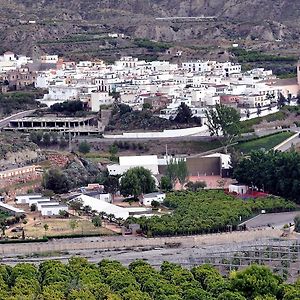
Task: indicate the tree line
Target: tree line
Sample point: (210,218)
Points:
(277,173)
(110,280)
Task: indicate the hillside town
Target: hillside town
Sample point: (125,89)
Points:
(160,85)
(123,152)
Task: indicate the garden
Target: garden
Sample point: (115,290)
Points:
(207,211)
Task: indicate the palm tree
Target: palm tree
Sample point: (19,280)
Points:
(111,217)
(120,221)
(102,214)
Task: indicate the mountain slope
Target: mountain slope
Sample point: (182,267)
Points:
(59,22)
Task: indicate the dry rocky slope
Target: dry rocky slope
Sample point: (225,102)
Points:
(64,26)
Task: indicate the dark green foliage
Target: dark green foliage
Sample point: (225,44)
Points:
(84,147)
(256,56)
(137,181)
(195,186)
(165,184)
(207,211)
(68,107)
(184,114)
(56,181)
(17,101)
(151,45)
(110,280)
(223,121)
(124,118)
(256,281)
(97,221)
(279,173)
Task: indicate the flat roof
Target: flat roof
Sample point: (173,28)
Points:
(11,208)
(52,119)
(150,195)
(138,160)
(55,206)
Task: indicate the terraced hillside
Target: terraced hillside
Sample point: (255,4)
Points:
(79,26)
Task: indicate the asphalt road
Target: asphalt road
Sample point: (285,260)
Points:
(277,220)
(4,122)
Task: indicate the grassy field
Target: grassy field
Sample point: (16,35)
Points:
(60,227)
(266,143)
(247,126)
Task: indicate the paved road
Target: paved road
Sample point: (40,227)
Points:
(293,142)
(277,220)
(4,122)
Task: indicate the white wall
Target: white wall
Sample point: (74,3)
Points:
(203,130)
(53,210)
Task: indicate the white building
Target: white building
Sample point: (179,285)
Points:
(238,189)
(24,199)
(49,203)
(49,59)
(149,198)
(53,210)
(103,206)
(98,99)
(149,162)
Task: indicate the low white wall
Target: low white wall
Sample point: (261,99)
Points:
(264,112)
(160,134)
(295,136)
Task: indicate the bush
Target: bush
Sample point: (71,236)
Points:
(84,147)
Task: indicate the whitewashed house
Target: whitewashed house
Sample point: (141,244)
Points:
(149,198)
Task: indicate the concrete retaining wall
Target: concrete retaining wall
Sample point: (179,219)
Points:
(121,242)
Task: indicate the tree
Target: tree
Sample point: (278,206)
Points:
(36,137)
(147,106)
(165,184)
(84,147)
(195,186)
(33,207)
(223,121)
(97,222)
(182,172)
(279,173)
(177,171)
(255,281)
(155,204)
(297,223)
(113,150)
(137,181)
(73,224)
(64,213)
(46,139)
(46,227)
(56,181)
(227,295)
(76,204)
(171,172)
(184,114)
(112,185)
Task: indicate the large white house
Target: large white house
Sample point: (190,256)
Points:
(149,162)
(103,206)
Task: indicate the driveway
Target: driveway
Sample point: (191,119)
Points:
(277,220)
